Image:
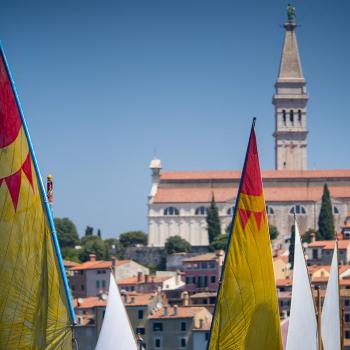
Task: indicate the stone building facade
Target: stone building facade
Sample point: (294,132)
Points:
(178,201)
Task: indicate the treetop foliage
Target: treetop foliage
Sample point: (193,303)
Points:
(326,228)
(176,244)
(213,221)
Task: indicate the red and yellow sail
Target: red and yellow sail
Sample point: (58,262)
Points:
(246,314)
(34,310)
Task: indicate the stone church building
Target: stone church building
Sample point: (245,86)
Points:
(178,201)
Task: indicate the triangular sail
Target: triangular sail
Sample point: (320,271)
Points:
(302,330)
(116,330)
(35,308)
(246,313)
(330,321)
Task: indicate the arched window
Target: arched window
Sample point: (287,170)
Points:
(284,118)
(291,117)
(230,211)
(171,211)
(297,209)
(201,211)
(269,210)
(299,116)
(335,210)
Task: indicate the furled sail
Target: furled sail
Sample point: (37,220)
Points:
(246,313)
(35,308)
(116,330)
(330,321)
(302,330)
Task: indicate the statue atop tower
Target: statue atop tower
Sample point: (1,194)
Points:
(290,100)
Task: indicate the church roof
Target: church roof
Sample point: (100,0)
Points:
(226,194)
(290,66)
(279,185)
(267,174)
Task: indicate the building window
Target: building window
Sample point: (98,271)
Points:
(212,279)
(269,210)
(73,287)
(97,284)
(291,117)
(297,209)
(82,287)
(140,314)
(183,342)
(346,302)
(299,116)
(231,210)
(188,280)
(284,118)
(201,211)
(157,342)
(183,326)
(314,254)
(212,265)
(171,211)
(335,210)
(347,334)
(140,330)
(157,327)
(207,336)
(103,284)
(347,317)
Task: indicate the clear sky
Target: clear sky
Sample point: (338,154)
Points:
(107,84)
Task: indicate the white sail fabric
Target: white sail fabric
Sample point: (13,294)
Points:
(330,321)
(302,330)
(116,332)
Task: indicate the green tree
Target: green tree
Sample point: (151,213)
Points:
(306,237)
(213,221)
(133,238)
(291,247)
(219,242)
(99,234)
(176,244)
(71,254)
(66,232)
(89,231)
(93,245)
(273,232)
(114,247)
(326,220)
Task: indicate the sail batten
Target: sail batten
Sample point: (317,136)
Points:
(302,329)
(35,306)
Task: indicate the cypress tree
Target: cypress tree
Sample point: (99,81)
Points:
(213,221)
(291,247)
(326,220)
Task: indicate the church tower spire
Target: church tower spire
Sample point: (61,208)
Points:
(290,100)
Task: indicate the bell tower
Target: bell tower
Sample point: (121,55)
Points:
(290,100)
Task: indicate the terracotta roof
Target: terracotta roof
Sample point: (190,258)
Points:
(226,194)
(151,279)
(98,264)
(138,299)
(284,282)
(329,245)
(182,312)
(202,257)
(266,174)
(90,302)
(203,295)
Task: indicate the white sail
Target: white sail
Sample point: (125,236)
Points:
(330,321)
(116,332)
(302,330)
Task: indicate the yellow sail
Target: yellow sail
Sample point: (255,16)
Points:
(34,308)
(246,314)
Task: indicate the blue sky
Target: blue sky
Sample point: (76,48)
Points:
(106,84)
